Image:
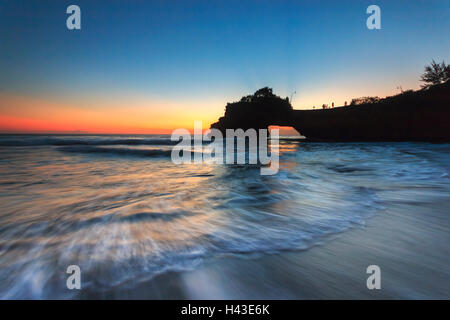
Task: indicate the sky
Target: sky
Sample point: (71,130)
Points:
(154,66)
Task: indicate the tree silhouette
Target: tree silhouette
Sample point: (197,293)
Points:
(264,92)
(364,100)
(435,73)
(447,73)
(257,110)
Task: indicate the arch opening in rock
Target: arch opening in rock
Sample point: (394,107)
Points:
(286,131)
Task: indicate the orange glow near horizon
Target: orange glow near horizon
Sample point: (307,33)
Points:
(145,115)
(20,114)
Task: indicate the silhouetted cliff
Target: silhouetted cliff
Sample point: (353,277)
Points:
(422,115)
(257,111)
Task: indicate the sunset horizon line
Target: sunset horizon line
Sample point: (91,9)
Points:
(12,124)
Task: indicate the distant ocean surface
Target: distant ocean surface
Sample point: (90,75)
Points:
(117,206)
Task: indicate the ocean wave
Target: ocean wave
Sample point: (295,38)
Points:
(124,222)
(132,247)
(71,141)
(117,151)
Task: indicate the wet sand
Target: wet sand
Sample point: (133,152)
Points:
(408,241)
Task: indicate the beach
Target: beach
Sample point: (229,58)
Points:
(411,250)
(140,227)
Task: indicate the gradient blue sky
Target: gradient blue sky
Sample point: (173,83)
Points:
(190,57)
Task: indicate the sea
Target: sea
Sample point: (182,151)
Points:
(117,207)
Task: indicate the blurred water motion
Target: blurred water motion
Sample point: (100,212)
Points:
(129,214)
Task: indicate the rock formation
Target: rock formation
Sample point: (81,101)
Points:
(422,115)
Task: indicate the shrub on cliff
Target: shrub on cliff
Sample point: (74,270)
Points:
(364,100)
(263,100)
(255,111)
(435,73)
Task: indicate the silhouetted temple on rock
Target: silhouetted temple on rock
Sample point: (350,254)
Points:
(422,115)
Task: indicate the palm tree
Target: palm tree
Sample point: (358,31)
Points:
(447,73)
(435,73)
